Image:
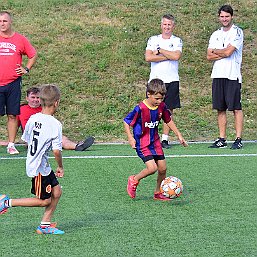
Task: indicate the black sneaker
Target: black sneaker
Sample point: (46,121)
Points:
(83,145)
(237,144)
(165,144)
(219,143)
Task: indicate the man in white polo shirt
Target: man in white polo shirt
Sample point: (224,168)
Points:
(163,51)
(225,50)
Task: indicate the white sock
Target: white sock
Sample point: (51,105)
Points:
(45,224)
(165,137)
(9,203)
(10,144)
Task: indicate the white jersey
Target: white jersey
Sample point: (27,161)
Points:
(229,67)
(42,133)
(167,70)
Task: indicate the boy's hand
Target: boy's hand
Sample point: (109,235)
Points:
(182,141)
(132,142)
(59,172)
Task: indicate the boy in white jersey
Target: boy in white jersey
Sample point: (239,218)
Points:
(163,51)
(225,49)
(42,133)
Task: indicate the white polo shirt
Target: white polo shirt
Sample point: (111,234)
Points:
(42,133)
(229,67)
(167,70)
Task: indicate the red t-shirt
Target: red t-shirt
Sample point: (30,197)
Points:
(11,51)
(25,112)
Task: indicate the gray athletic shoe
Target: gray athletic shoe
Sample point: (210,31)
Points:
(83,145)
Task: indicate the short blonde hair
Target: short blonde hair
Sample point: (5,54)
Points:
(49,94)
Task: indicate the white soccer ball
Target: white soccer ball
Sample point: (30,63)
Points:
(171,187)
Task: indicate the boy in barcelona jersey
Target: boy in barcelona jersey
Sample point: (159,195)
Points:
(144,120)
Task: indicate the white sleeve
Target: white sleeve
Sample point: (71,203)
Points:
(57,140)
(150,44)
(178,45)
(212,41)
(237,40)
(26,135)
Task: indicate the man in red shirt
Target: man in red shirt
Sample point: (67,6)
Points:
(13,46)
(33,107)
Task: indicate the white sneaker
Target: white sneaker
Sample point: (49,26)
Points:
(12,150)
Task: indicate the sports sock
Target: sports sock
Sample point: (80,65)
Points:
(165,137)
(45,224)
(10,144)
(8,203)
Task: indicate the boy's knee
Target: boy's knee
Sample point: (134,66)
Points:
(162,171)
(153,169)
(57,192)
(45,202)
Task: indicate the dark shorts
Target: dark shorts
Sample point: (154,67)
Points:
(153,157)
(10,98)
(42,185)
(226,94)
(172,99)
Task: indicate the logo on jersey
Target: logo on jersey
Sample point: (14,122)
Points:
(38,125)
(151,124)
(49,189)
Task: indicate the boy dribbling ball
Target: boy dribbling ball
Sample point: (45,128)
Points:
(144,120)
(42,133)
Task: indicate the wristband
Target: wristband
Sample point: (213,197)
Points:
(158,49)
(26,69)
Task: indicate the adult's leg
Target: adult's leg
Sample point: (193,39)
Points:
(222,123)
(67,144)
(12,127)
(166,129)
(239,120)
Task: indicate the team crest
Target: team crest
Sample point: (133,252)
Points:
(49,189)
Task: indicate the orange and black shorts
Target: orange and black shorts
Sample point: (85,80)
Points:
(42,185)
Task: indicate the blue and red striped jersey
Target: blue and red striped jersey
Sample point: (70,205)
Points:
(145,121)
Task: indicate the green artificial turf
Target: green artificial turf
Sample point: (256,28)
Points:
(215,215)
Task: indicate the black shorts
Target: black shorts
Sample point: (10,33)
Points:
(172,98)
(226,94)
(153,157)
(10,98)
(42,185)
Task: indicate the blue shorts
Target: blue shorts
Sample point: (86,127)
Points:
(226,94)
(42,185)
(172,98)
(10,98)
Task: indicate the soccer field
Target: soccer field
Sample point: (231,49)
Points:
(215,215)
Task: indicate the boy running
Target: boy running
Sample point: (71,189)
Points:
(42,133)
(144,120)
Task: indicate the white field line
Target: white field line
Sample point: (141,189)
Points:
(135,156)
(171,142)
